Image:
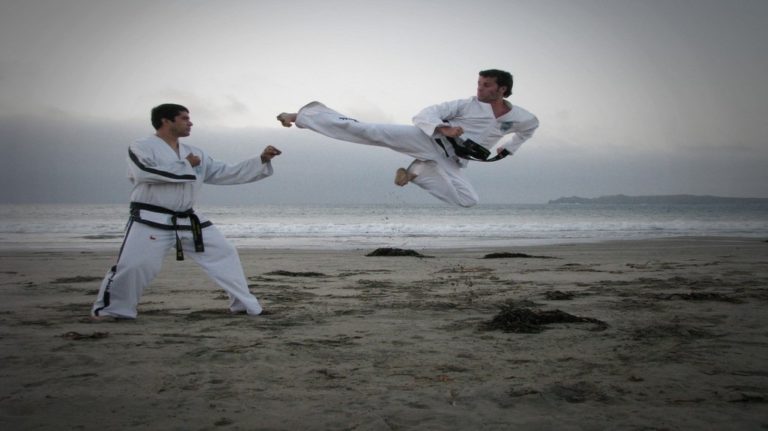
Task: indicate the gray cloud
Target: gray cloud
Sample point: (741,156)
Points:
(640,97)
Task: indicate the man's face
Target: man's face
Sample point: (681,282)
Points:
(488,90)
(181,126)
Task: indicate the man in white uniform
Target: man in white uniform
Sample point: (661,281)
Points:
(484,119)
(167,176)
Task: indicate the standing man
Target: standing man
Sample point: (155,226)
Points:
(438,136)
(167,176)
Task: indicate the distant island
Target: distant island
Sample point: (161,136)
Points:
(658,200)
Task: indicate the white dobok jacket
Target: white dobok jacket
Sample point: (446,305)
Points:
(162,178)
(479,123)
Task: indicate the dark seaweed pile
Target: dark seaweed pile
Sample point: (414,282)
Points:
(527,321)
(387,251)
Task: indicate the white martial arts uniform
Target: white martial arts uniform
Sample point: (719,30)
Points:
(165,183)
(437,168)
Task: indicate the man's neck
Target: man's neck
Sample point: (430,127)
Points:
(500,107)
(169,139)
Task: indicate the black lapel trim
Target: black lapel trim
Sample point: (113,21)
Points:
(145,168)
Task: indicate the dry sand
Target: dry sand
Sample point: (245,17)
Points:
(398,343)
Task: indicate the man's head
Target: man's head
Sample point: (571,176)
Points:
(494,84)
(172,117)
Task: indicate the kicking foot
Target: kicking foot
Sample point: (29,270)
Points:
(286,119)
(402,177)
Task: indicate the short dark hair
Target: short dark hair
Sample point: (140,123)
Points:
(169,111)
(503,79)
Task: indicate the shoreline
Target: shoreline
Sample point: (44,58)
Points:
(332,244)
(369,343)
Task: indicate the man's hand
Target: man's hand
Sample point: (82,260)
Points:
(193,159)
(269,153)
(450,131)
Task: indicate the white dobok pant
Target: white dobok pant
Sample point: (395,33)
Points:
(437,173)
(141,258)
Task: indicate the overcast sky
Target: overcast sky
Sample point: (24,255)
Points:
(634,97)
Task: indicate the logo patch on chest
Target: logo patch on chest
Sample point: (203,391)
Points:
(506,125)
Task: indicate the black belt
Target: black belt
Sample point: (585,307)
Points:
(194,224)
(470,150)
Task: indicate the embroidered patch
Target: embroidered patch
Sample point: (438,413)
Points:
(506,125)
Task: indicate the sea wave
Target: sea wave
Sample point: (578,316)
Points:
(90,226)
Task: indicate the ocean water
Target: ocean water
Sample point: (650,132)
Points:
(408,226)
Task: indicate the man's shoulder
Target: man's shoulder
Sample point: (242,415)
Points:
(466,101)
(148,141)
(459,102)
(473,106)
(520,113)
(153,142)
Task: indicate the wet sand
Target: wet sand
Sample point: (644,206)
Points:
(675,337)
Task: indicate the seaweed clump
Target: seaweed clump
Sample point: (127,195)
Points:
(389,251)
(527,321)
(556,295)
(508,255)
(76,279)
(296,274)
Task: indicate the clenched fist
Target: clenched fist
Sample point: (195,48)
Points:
(193,159)
(269,153)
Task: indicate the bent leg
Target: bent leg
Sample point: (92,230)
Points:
(140,260)
(404,139)
(221,262)
(445,181)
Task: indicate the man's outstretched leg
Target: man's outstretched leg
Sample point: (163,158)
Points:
(221,262)
(406,139)
(140,260)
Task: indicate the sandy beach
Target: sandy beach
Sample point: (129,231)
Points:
(668,335)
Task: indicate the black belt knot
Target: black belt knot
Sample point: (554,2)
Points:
(194,224)
(469,150)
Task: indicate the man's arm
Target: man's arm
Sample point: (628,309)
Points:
(247,171)
(432,119)
(449,131)
(522,133)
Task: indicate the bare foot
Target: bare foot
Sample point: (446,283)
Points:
(402,177)
(286,119)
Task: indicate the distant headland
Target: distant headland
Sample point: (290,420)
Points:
(659,200)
